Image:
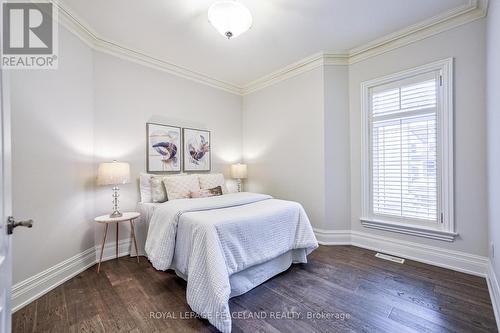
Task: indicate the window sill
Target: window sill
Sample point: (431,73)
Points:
(409,230)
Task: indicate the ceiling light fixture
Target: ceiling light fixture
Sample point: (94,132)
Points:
(229,18)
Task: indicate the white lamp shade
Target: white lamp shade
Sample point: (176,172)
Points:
(113,173)
(229,18)
(239,171)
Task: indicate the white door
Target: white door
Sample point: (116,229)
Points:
(5,203)
(5,207)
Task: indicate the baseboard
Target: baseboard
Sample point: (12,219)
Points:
(30,289)
(454,260)
(34,287)
(494,289)
(333,237)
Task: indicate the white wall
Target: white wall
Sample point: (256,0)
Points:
(94,108)
(128,95)
(296,143)
(337,153)
(493,106)
(283,142)
(52,139)
(467,45)
(301,136)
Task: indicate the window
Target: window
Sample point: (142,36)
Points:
(408,152)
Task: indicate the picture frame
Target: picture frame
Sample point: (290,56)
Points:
(163,148)
(197,149)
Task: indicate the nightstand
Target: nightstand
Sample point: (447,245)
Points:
(130,217)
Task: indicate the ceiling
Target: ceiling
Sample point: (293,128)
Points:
(283,31)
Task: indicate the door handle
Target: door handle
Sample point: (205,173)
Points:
(11,224)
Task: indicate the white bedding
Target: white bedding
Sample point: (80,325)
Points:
(217,237)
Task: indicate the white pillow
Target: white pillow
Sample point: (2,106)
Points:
(145,186)
(211,180)
(179,187)
(158,192)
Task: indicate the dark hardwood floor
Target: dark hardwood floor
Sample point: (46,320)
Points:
(341,289)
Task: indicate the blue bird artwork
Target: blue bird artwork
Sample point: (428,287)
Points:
(165,145)
(197,151)
(167,149)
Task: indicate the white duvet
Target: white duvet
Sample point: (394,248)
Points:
(221,236)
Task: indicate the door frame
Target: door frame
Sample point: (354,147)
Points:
(6,200)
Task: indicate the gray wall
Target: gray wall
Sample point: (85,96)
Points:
(296,143)
(322,170)
(337,154)
(493,95)
(94,108)
(52,169)
(283,142)
(467,45)
(128,95)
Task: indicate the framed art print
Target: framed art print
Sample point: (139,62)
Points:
(197,154)
(163,148)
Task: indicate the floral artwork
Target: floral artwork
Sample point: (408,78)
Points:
(163,148)
(196,150)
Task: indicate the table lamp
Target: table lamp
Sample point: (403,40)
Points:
(114,173)
(239,172)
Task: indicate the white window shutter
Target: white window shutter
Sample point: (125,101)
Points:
(404,158)
(407,144)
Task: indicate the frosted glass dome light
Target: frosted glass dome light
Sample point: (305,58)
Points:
(229,18)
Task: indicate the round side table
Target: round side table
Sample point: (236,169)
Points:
(129,216)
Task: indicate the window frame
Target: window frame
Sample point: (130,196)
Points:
(444,228)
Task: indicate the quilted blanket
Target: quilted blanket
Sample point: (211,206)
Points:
(227,234)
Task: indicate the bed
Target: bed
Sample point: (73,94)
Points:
(223,246)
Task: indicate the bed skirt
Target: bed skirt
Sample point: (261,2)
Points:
(251,277)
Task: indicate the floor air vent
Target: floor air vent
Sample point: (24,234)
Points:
(390,258)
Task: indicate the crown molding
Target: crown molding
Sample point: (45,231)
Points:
(82,30)
(309,63)
(473,10)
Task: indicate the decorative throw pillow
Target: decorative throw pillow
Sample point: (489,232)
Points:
(158,192)
(211,180)
(179,187)
(145,186)
(212,192)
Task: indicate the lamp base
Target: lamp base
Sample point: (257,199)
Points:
(116,214)
(116,211)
